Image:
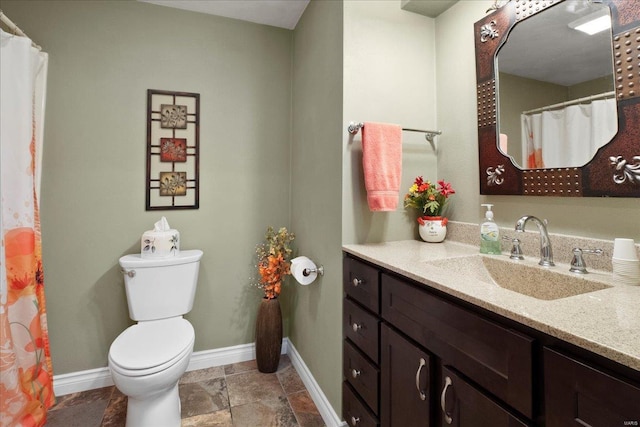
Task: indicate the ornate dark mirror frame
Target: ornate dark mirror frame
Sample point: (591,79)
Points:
(615,169)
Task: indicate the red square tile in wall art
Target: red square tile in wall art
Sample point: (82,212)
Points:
(173,149)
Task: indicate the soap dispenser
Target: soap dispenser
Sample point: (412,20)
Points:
(489,234)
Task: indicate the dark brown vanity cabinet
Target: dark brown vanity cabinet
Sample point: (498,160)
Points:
(416,357)
(398,339)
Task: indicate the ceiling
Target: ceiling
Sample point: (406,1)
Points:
(544,48)
(431,8)
(283,13)
(277,13)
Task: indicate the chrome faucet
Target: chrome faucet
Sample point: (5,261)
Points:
(546,253)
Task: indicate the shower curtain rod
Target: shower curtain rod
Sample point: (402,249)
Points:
(572,102)
(15,29)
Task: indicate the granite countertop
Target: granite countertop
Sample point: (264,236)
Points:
(606,322)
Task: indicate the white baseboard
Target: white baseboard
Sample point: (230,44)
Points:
(75,382)
(227,355)
(330,417)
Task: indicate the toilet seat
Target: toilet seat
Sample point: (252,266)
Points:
(150,347)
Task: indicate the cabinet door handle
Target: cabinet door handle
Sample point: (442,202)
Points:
(443,400)
(355,373)
(356,327)
(355,421)
(356,282)
(423,396)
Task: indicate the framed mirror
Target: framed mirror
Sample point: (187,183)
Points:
(559,109)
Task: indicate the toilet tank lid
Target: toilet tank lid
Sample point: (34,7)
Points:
(149,344)
(183,257)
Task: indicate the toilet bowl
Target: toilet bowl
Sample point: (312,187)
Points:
(146,363)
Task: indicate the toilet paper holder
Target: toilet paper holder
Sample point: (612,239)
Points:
(305,271)
(308,271)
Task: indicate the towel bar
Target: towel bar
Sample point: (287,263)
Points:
(354,128)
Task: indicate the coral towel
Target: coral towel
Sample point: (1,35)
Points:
(382,164)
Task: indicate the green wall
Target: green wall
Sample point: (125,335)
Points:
(315,190)
(353,61)
(104,55)
(592,87)
(389,76)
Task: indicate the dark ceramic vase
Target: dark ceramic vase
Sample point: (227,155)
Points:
(268,335)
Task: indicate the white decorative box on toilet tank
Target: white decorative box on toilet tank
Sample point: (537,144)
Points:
(161,242)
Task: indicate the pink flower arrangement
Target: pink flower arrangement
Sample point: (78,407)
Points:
(428,198)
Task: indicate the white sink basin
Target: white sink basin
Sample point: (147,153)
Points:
(534,281)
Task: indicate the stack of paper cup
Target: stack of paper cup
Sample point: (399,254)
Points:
(626,265)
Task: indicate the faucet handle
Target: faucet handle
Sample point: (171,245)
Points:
(516,251)
(577,262)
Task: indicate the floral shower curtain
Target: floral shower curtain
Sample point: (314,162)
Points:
(26,387)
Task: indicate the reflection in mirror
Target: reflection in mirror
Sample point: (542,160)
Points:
(555,84)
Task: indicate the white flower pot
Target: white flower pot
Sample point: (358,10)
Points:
(432,229)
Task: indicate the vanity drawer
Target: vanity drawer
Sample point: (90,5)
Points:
(362,328)
(362,375)
(355,412)
(361,283)
(496,358)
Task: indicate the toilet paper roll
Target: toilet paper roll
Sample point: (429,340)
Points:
(298,266)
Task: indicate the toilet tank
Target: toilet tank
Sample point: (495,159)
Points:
(160,288)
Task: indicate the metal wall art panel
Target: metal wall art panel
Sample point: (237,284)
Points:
(173,149)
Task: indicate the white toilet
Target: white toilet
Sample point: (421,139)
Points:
(147,359)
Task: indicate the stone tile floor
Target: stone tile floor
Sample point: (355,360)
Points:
(232,395)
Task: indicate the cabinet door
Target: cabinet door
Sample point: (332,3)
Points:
(580,395)
(405,385)
(462,405)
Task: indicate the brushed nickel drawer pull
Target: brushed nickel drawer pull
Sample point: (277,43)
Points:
(356,282)
(356,327)
(423,396)
(443,400)
(355,421)
(355,373)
